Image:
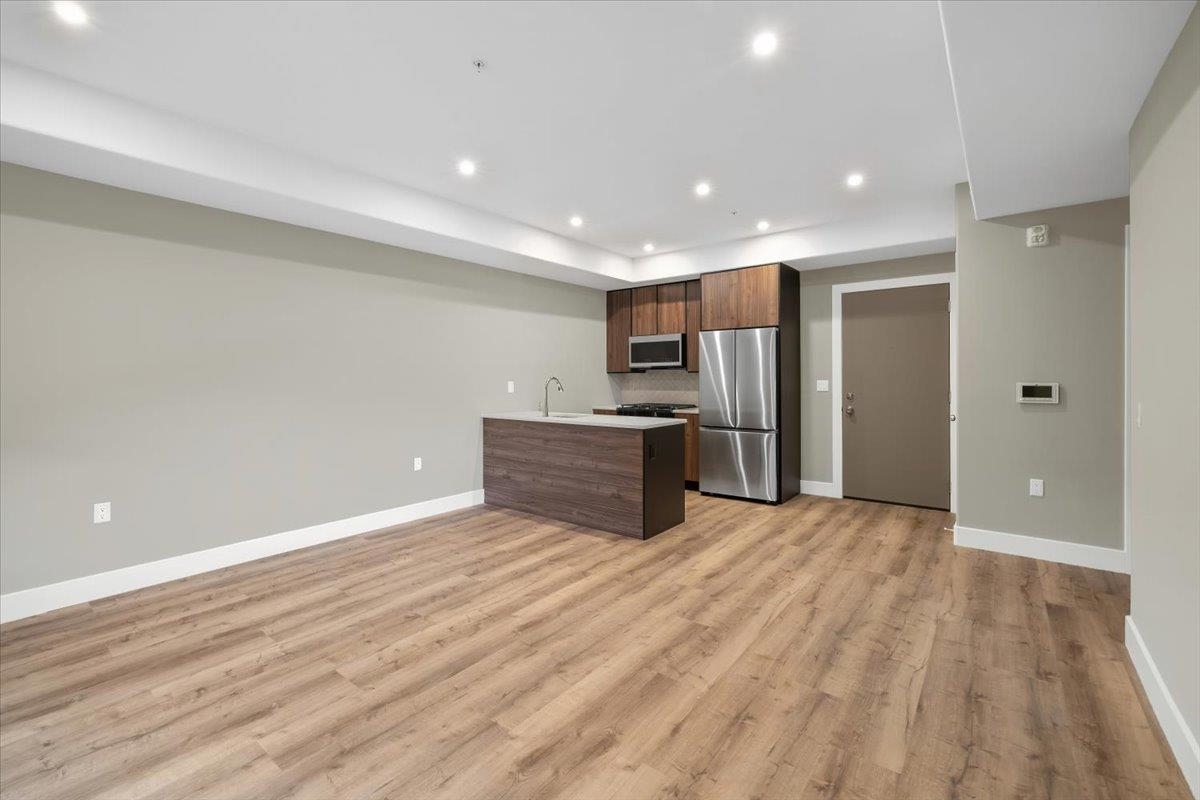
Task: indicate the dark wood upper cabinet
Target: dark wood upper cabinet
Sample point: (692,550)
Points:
(619,327)
(741,298)
(758,296)
(735,298)
(672,308)
(720,307)
(645,310)
(693,326)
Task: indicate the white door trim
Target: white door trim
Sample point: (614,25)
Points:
(840,289)
(1127,433)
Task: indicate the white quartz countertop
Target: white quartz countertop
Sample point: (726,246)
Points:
(595,420)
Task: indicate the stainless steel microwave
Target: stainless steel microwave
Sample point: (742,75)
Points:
(664,351)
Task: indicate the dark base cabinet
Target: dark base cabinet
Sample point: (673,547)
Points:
(691,447)
(621,480)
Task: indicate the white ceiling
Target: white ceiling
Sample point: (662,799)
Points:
(350,116)
(1047,92)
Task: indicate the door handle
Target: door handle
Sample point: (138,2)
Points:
(849,411)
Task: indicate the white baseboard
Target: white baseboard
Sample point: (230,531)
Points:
(1080,555)
(819,488)
(40,599)
(1181,739)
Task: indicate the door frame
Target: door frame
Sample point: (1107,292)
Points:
(840,289)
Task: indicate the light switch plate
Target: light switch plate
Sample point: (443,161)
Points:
(101,513)
(512,386)
(417,464)
(822,386)
(1036,487)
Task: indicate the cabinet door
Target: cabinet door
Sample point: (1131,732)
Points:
(672,306)
(619,321)
(691,446)
(719,295)
(758,296)
(693,326)
(645,310)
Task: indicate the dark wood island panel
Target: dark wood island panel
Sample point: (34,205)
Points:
(614,479)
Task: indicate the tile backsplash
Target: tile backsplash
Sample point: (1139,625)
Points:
(656,386)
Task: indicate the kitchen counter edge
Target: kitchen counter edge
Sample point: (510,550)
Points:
(592,420)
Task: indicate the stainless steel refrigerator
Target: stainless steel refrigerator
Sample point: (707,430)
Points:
(739,413)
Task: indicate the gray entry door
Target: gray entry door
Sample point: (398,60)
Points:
(896,395)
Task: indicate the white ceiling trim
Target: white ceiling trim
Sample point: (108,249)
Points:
(921,232)
(62,126)
(55,124)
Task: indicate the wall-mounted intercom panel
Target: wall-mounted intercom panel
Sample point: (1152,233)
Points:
(1037,392)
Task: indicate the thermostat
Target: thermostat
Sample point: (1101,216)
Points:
(1037,392)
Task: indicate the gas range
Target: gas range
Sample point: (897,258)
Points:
(651,409)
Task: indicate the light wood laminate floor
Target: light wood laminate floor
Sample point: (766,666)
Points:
(824,648)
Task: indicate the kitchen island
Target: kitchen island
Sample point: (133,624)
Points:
(613,473)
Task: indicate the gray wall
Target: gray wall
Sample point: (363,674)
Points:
(1164,201)
(816,348)
(1052,313)
(220,377)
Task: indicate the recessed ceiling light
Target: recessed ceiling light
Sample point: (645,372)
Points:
(648,247)
(703,189)
(854,180)
(764,44)
(576,221)
(466,167)
(70,12)
(763,225)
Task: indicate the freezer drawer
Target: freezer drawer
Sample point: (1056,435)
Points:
(739,463)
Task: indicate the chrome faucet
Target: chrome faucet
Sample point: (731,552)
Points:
(546,403)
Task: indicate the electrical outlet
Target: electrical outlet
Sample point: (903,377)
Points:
(101,512)
(822,386)
(512,386)
(1036,487)
(417,464)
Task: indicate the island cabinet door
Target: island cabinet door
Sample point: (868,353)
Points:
(662,467)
